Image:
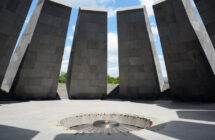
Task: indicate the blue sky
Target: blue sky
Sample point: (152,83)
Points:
(111,6)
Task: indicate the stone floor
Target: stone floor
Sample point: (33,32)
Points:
(39,120)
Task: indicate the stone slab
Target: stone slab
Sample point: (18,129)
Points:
(62,3)
(206,11)
(87,72)
(139,68)
(21,48)
(38,74)
(12,16)
(188,52)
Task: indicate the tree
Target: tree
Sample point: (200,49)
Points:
(62,78)
(113,80)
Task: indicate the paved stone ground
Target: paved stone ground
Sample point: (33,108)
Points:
(40,119)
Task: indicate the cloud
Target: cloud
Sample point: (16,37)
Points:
(73,27)
(148,4)
(112,42)
(65,62)
(68,49)
(64,65)
(114,71)
(163,66)
(78,3)
(88,3)
(113,54)
(153,23)
(113,59)
(160,57)
(154,30)
(70,37)
(111,12)
(106,1)
(92,3)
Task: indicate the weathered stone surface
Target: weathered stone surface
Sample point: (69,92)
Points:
(188,51)
(207,12)
(139,68)
(37,77)
(21,48)
(12,17)
(87,72)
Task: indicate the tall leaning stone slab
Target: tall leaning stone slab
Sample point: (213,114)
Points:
(21,48)
(188,51)
(207,11)
(139,68)
(12,16)
(38,74)
(87,72)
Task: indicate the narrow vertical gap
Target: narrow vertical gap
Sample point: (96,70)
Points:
(158,47)
(69,40)
(113,69)
(112,60)
(65,61)
(30,12)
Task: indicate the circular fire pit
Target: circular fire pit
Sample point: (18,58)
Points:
(105,123)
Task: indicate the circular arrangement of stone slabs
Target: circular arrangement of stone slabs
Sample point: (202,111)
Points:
(105,123)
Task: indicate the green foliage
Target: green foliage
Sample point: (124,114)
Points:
(113,80)
(62,78)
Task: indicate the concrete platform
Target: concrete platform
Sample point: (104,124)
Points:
(172,120)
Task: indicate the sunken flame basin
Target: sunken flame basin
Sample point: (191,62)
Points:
(105,123)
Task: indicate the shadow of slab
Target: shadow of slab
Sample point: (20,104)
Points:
(5,96)
(169,104)
(15,133)
(113,91)
(186,105)
(185,130)
(97,137)
(197,115)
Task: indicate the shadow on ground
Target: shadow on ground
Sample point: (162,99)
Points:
(15,133)
(97,137)
(197,115)
(5,96)
(174,129)
(186,130)
(113,91)
(172,104)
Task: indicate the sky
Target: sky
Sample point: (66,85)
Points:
(111,6)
